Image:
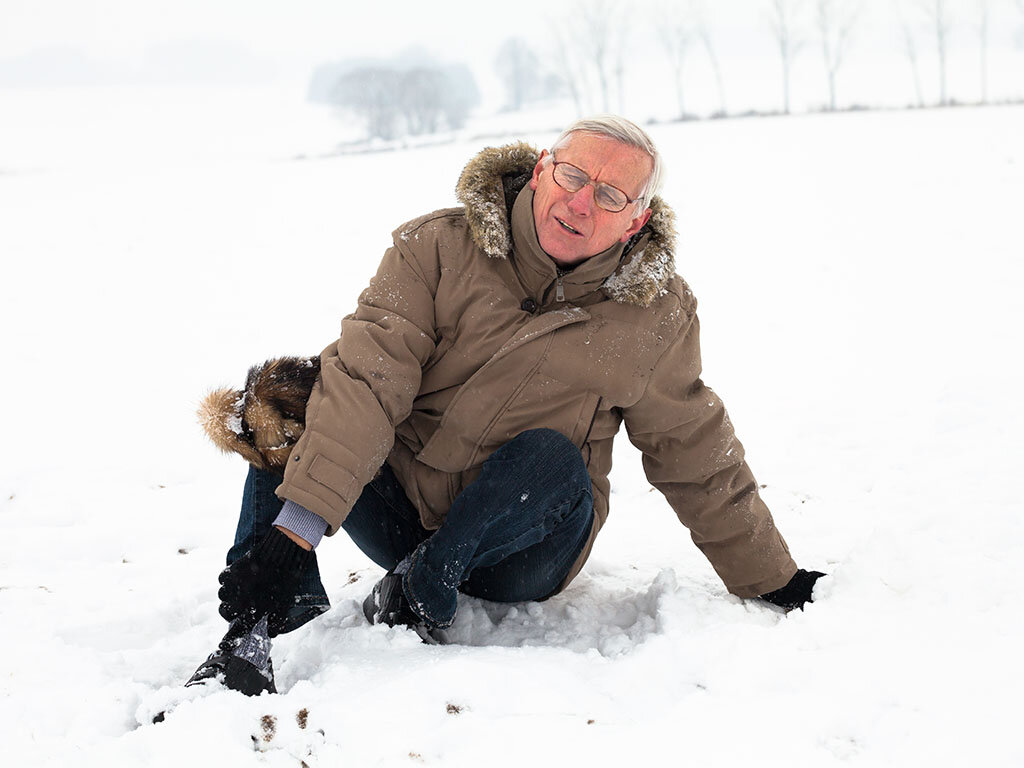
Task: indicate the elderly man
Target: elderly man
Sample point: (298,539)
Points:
(460,429)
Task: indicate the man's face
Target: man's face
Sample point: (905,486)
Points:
(571,227)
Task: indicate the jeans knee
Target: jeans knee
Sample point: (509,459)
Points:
(541,456)
(543,444)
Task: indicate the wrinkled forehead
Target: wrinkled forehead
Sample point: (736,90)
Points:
(612,161)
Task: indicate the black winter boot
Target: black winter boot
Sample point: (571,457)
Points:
(387,604)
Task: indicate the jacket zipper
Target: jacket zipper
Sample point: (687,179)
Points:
(559,291)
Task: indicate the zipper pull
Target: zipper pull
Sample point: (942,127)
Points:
(559,291)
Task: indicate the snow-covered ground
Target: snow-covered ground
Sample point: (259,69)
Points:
(859,279)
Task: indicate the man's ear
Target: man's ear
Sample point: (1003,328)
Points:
(635,225)
(537,170)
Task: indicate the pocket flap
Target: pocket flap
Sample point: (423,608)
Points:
(335,477)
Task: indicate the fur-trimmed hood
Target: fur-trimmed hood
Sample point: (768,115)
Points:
(488,186)
(264,420)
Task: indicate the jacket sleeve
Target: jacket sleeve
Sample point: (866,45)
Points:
(691,455)
(368,380)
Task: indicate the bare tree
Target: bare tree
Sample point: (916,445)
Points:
(704,35)
(680,27)
(596,26)
(373,93)
(519,69)
(421,95)
(783,21)
(598,41)
(565,58)
(937,13)
(910,48)
(395,101)
(676,35)
(591,53)
(836,20)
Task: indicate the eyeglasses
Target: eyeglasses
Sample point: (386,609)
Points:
(572,179)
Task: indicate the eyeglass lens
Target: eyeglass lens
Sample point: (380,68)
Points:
(573,179)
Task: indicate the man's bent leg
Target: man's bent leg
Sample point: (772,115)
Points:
(260,507)
(512,534)
(536,572)
(383,523)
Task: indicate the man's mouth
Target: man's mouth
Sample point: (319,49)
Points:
(567,227)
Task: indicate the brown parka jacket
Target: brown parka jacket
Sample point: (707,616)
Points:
(468,335)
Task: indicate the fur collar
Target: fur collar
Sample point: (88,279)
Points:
(488,186)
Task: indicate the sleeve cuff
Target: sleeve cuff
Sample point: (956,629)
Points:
(302,522)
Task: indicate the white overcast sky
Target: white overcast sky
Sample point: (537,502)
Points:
(308,29)
(297,30)
(261,39)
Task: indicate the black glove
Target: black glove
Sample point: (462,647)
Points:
(262,582)
(796,593)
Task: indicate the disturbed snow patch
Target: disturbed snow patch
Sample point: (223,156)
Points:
(606,616)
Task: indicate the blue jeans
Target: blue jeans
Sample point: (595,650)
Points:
(511,536)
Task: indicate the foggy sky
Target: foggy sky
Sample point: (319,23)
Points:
(68,42)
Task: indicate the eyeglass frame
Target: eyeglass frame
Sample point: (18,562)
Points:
(589,182)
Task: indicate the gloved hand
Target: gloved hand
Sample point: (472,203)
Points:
(796,592)
(262,582)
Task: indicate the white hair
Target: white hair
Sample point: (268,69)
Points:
(625,132)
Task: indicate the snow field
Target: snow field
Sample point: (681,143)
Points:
(858,278)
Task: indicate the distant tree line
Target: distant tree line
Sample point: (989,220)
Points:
(594,51)
(589,60)
(831,27)
(399,98)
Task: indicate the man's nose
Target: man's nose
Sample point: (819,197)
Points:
(581,202)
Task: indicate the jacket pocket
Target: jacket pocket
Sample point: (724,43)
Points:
(585,420)
(502,413)
(335,477)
